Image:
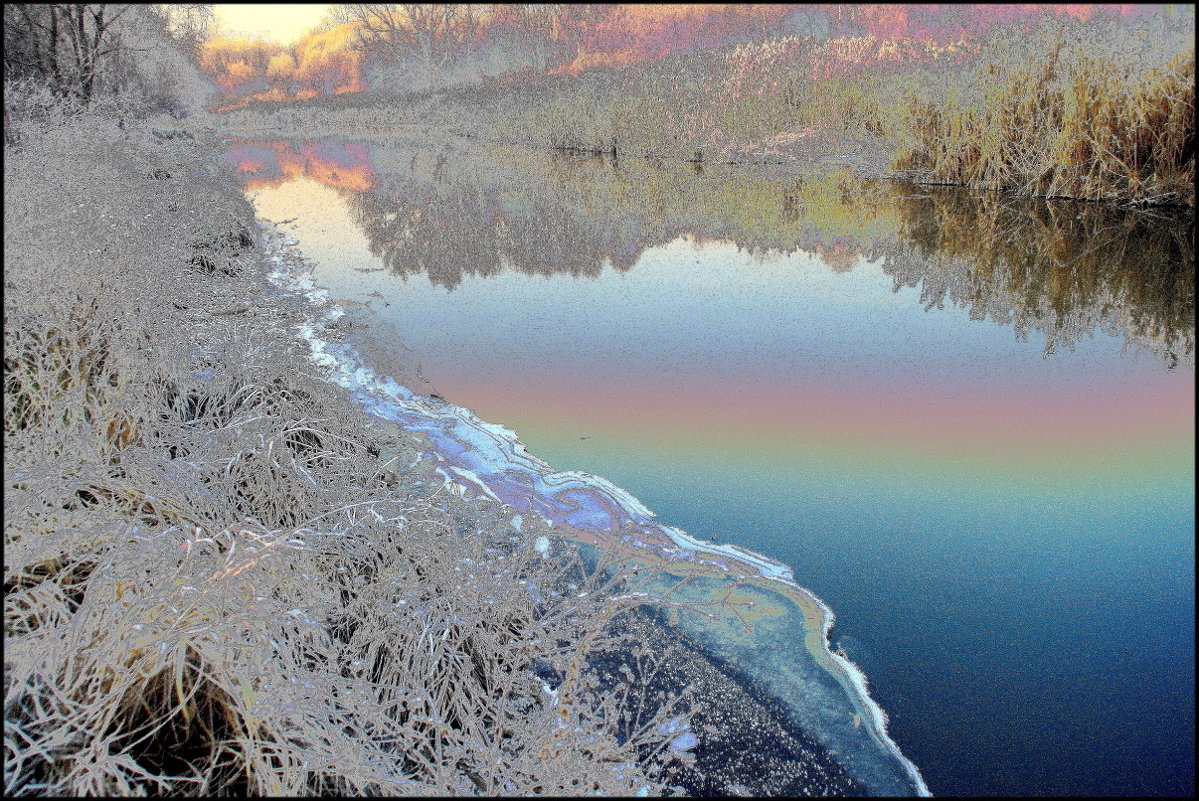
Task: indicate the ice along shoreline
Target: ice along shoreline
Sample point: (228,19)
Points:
(489,459)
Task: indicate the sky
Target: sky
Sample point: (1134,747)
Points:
(282,24)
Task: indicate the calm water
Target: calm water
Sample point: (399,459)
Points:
(967,423)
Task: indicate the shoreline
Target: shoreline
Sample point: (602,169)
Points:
(196,483)
(188,290)
(864,155)
(380,394)
(874,155)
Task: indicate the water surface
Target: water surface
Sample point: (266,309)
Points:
(965,422)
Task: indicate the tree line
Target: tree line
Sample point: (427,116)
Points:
(401,47)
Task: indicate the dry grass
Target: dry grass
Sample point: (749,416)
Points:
(212,583)
(1068,117)
(1079,111)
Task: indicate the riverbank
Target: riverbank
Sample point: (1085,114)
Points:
(212,582)
(1083,111)
(463,117)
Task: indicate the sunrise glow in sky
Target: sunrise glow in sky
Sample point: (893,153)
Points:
(282,24)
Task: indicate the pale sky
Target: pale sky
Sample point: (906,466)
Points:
(282,24)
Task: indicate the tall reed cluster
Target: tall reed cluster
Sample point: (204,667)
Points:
(1065,118)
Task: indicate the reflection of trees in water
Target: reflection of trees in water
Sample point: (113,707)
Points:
(452,216)
(448,231)
(1063,268)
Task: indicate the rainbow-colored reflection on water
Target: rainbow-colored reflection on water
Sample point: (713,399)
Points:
(958,456)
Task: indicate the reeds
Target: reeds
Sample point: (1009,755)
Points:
(1082,111)
(1061,120)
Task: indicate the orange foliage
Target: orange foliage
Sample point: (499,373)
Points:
(587,61)
(326,63)
(250,70)
(237,73)
(889,21)
(648,32)
(611,35)
(663,29)
(238,65)
(281,66)
(341,165)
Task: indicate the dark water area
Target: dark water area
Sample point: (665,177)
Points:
(964,420)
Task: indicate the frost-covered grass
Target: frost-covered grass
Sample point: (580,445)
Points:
(213,582)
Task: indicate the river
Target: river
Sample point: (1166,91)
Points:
(964,421)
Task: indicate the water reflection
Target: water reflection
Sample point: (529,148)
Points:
(1064,269)
(455,231)
(269,163)
(925,474)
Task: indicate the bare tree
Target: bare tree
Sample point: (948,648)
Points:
(437,34)
(533,27)
(587,27)
(71,55)
(338,14)
(190,24)
(63,44)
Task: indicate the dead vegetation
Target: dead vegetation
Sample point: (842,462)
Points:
(213,585)
(1075,110)
(1065,116)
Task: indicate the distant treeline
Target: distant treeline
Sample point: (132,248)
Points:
(1100,108)
(398,48)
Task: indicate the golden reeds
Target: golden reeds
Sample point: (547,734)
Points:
(1062,123)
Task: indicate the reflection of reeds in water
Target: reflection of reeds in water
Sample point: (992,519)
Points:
(557,214)
(453,232)
(1060,267)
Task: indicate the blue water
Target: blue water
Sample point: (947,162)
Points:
(1026,636)
(1027,650)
